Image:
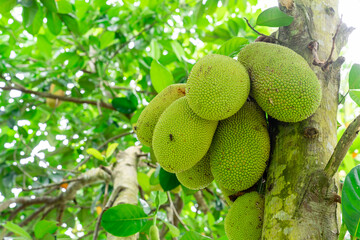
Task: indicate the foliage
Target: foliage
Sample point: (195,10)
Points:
(112,54)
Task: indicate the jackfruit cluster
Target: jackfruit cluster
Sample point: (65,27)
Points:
(282,83)
(214,126)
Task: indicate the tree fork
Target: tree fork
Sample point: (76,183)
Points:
(300,200)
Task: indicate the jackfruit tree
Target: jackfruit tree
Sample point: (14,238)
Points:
(179,120)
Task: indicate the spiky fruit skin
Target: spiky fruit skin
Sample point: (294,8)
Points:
(148,118)
(217,87)
(154,233)
(245,217)
(181,138)
(282,83)
(240,148)
(197,177)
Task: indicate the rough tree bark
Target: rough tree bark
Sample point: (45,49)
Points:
(299,198)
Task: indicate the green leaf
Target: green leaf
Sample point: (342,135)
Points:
(178,50)
(343,231)
(71,23)
(95,153)
(17,230)
(168,181)
(154,178)
(233,46)
(144,181)
(355,96)
(111,148)
(274,17)
(33,18)
(26,3)
(354,77)
(29,14)
(43,227)
(7,6)
(193,236)
(159,198)
(23,132)
(106,39)
(64,6)
(233,27)
(124,220)
(50,5)
(160,76)
(154,50)
(126,104)
(350,201)
(53,22)
(174,231)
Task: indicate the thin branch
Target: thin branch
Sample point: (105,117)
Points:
(60,214)
(203,207)
(62,98)
(342,147)
(109,204)
(33,216)
(50,185)
(270,37)
(175,212)
(314,46)
(127,42)
(90,177)
(108,171)
(129,89)
(329,61)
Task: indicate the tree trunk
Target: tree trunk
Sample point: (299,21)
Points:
(125,177)
(299,198)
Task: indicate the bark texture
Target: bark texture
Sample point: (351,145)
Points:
(299,198)
(125,177)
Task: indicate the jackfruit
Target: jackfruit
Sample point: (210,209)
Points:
(154,233)
(51,102)
(217,87)
(148,118)
(181,138)
(282,83)
(240,148)
(197,177)
(245,217)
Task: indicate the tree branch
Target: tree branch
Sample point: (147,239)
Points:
(90,177)
(62,98)
(50,185)
(342,147)
(109,204)
(175,211)
(314,46)
(261,34)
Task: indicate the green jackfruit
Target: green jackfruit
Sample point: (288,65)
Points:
(282,83)
(217,87)
(148,118)
(197,177)
(245,218)
(240,148)
(154,233)
(181,138)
